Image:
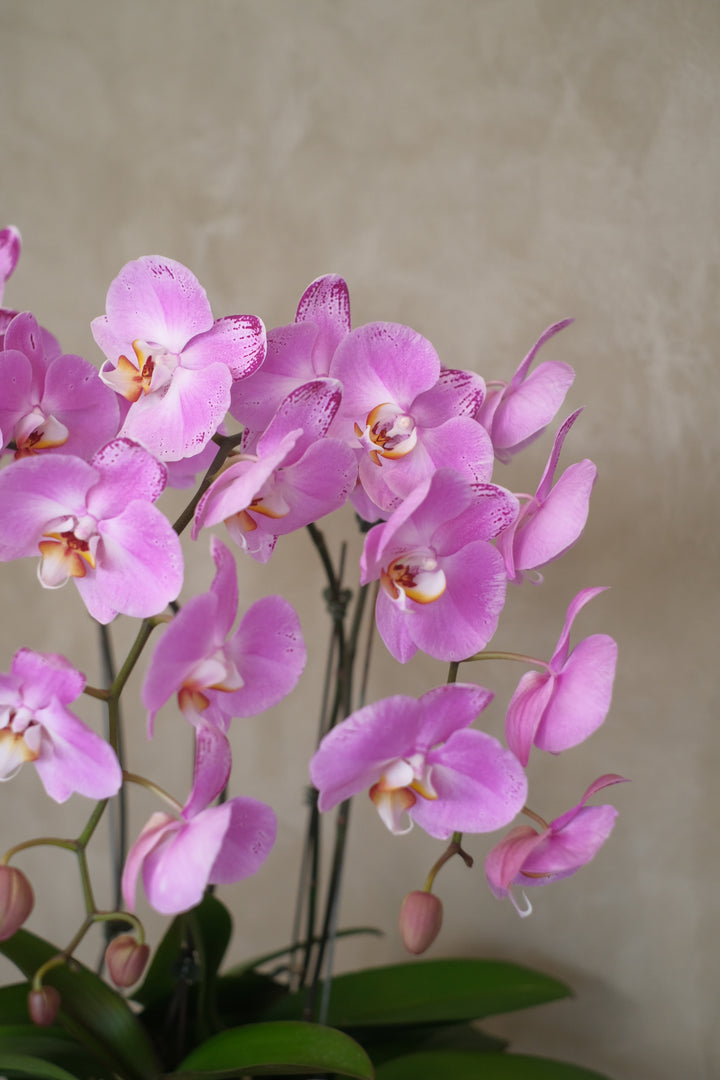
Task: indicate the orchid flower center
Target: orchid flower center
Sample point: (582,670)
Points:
(38,432)
(389,432)
(415,575)
(398,788)
(152,370)
(67,550)
(20,738)
(215,672)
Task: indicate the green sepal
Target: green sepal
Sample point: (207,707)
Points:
(286,1047)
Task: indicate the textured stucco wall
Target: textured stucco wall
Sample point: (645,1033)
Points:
(477,170)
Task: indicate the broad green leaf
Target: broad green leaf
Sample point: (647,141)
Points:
(97,1016)
(13,1065)
(244,999)
(464,1066)
(429,992)
(257,961)
(385,1043)
(54,1044)
(287,1047)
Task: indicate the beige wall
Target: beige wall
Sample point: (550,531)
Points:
(477,170)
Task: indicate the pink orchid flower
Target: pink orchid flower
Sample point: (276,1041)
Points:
(520,410)
(216,675)
(94,522)
(51,401)
(169,358)
(180,854)
(550,523)
(562,706)
(36,726)
(526,858)
(406,416)
(296,354)
(291,476)
(419,758)
(443,582)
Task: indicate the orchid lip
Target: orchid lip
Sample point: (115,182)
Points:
(415,574)
(389,432)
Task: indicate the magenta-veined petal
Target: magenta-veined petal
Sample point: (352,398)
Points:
(287,366)
(248,841)
(127,472)
(158,300)
(309,409)
(456,393)
(326,303)
(238,341)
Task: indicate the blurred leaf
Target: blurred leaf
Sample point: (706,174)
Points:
(429,992)
(97,1016)
(463,1066)
(286,1047)
(22,1065)
(54,1044)
(192,948)
(243,999)
(385,1043)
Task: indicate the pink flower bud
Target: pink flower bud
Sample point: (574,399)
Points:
(126,960)
(420,921)
(16,900)
(43,1005)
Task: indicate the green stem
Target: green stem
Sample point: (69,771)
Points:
(38,841)
(226,445)
(453,848)
(134,778)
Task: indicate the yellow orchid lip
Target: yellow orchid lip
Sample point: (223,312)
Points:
(417,574)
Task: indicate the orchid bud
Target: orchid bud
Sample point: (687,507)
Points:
(126,960)
(43,1005)
(16,900)
(420,920)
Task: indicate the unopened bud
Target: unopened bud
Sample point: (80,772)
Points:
(16,900)
(126,960)
(421,917)
(43,1005)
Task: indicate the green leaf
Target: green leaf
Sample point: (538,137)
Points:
(97,1016)
(463,1066)
(14,1065)
(429,992)
(385,1043)
(287,1047)
(198,937)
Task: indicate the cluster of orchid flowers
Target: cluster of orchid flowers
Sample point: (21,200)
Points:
(327,414)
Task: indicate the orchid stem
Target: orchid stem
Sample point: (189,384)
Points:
(135,778)
(519,657)
(453,848)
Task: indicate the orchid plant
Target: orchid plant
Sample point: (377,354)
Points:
(272,432)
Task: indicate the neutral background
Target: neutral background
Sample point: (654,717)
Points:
(476,170)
